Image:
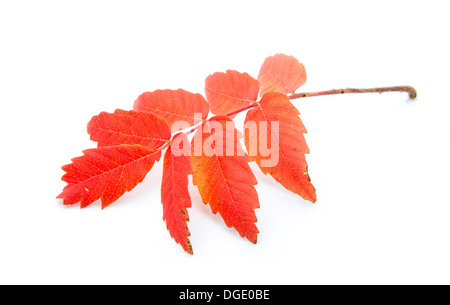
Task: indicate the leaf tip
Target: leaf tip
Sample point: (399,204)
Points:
(311,197)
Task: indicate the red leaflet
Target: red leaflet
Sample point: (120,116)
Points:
(175,195)
(292,169)
(174,106)
(129,127)
(230,91)
(223,176)
(106,173)
(281,73)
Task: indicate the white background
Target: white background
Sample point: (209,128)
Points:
(380,163)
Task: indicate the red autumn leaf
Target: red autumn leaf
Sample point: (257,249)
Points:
(292,169)
(106,173)
(281,73)
(129,127)
(223,176)
(174,106)
(175,195)
(230,91)
(130,142)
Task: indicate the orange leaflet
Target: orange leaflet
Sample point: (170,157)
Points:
(230,91)
(106,173)
(174,106)
(175,195)
(223,176)
(292,169)
(129,127)
(281,73)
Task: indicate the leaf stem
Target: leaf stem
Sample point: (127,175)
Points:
(193,129)
(167,144)
(241,109)
(228,114)
(408,89)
